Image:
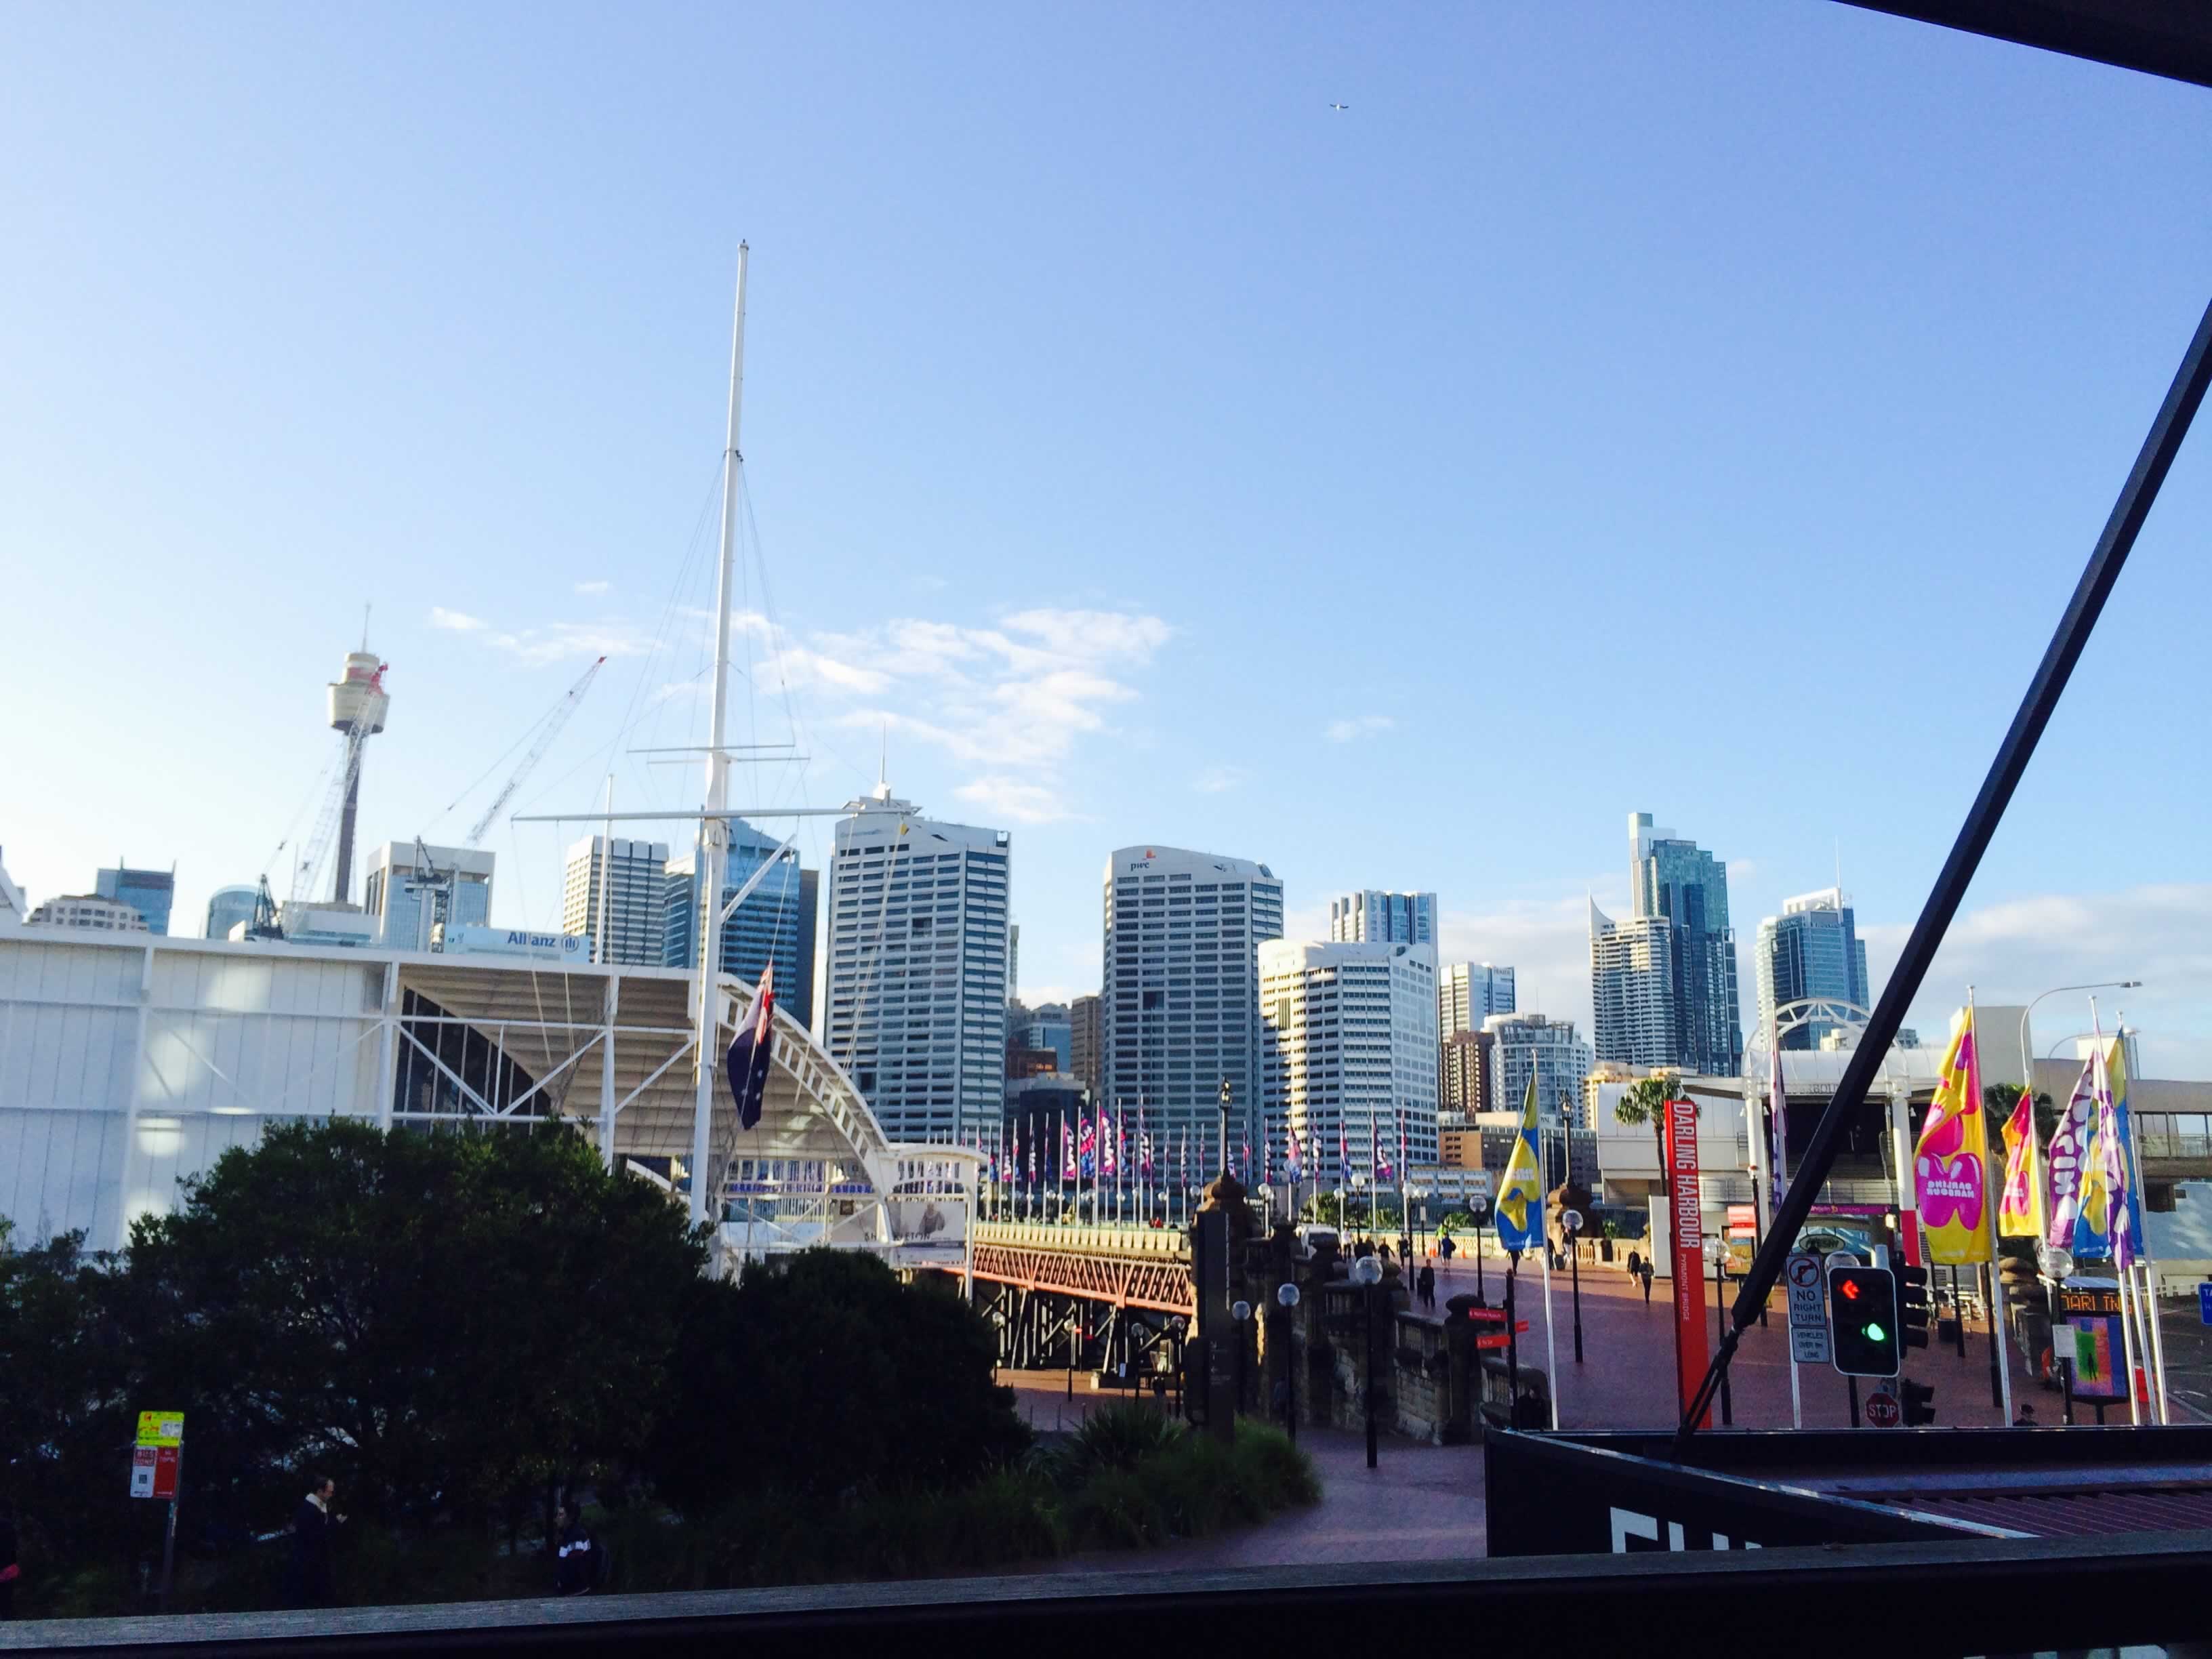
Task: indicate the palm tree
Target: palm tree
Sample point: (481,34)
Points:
(1644,1101)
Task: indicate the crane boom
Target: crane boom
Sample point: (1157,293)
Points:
(547,731)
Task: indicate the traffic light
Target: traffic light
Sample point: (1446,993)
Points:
(1863,1309)
(1917,1399)
(1912,1307)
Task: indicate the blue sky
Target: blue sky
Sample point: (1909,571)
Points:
(1702,410)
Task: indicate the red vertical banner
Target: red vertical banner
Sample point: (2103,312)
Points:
(1686,1245)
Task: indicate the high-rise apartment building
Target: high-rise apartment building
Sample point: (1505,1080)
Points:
(1348,1040)
(1632,989)
(1378,917)
(1812,950)
(408,892)
(1181,994)
(1679,931)
(775,924)
(1468,993)
(90,910)
(1083,1017)
(1464,1083)
(626,880)
(229,906)
(918,964)
(151,893)
(1523,1045)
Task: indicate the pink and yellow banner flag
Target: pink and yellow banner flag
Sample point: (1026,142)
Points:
(2019,1211)
(1950,1165)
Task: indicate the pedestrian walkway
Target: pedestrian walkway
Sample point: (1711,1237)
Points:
(1421,1503)
(1627,1376)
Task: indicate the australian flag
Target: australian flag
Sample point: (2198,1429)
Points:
(746,1064)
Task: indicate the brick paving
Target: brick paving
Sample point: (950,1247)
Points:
(1626,1379)
(1425,1502)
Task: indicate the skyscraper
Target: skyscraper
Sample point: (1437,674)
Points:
(409,898)
(917,963)
(1464,1086)
(149,892)
(1682,891)
(627,880)
(1083,1016)
(1181,994)
(1348,1040)
(1526,1044)
(1811,950)
(1468,993)
(229,906)
(774,924)
(1376,916)
(1632,989)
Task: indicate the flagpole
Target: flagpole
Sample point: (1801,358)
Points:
(1990,1219)
(1551,1335)
(2153,1335)
(2115,1216)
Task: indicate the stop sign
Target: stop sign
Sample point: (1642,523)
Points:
(1881,1410)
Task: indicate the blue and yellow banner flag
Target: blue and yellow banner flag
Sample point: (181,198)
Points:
(1520,1206)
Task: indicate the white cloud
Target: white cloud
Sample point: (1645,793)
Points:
(572,642)
(1016,799)
(458,622)
(2014,950)
(593,588)
(1219,779)
(1345,731)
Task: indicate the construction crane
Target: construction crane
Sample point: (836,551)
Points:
(549,728)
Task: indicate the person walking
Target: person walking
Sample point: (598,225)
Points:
(1427,1282)
(314,1582)
(575,1573)
(1645,1274)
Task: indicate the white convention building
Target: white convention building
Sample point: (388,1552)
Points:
(129,1063)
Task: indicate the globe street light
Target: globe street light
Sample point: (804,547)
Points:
(1286,1298)
(1367,1273)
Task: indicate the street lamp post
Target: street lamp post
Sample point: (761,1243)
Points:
(1367,1273)
(1571,1220)
(1287,1298)
(2027,1060)
(1225,1126)
(1242,1313)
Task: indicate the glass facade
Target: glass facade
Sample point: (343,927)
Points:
(149,892)
(775,924)
(228,907)
(1811,950)
(1675,878)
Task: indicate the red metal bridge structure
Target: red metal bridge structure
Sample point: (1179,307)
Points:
(1112,1291)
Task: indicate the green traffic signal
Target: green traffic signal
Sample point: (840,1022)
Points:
(1875,1334)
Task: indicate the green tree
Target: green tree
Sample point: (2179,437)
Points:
(438,1321)
(65,1422)
(823,1375)
(1998,1100)
(1644,1101)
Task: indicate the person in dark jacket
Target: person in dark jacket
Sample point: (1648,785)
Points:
(1427,1284)
(314,1583)
(1645,1274)
(574,1573)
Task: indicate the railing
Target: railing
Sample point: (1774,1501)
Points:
(1124,1267)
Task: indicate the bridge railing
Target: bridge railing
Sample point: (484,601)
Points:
(1109,1240)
